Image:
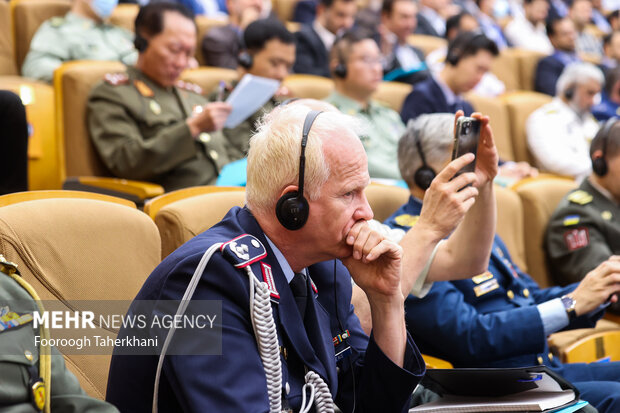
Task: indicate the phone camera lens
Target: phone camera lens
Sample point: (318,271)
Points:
(466,127)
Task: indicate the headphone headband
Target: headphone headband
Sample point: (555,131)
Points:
(310,117)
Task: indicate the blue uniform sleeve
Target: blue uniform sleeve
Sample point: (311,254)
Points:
(545,77)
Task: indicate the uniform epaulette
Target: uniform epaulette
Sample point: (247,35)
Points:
(57,21)
(243,250)
(551,111)
(406,220)
(116,79)
(189,86)
(580,197)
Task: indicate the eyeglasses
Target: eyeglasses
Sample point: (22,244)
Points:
(368,60)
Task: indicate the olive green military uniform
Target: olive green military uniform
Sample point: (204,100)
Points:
(239,136)
(583,232)
(140,132)
(19,360)
(383,129)
(72,37)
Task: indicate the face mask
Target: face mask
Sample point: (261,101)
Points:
(103,8)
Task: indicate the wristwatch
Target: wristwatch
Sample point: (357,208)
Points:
(569,305)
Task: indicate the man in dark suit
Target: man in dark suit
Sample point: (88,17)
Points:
(402,62)
(469,57)
(432,17)
(314,40)
(562,35)
(222,44)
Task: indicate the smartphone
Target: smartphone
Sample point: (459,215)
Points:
(466,136)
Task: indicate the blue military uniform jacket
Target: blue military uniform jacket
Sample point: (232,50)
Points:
(489,320)
(235,380)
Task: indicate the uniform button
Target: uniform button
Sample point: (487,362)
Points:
(526,292)
(213,154)
(510,294)
(287,388)
(550,356)
(28,355)
(540,360)
(204,137)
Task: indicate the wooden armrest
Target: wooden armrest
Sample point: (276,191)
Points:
(595,347)
(136,191)
(436,363)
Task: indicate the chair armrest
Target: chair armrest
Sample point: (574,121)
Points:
(136,191)
(436,363)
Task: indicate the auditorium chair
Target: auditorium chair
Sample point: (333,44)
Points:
(392,94)
(7,50)
(204,24)
(500,122)
(308,86)
(527,62)
(384,200)
(520,106)
(28,15)
(604,345)
(510,224)
(506,68)
(124,15)
(83,168)
(152,206)
(77,253)
(284,9)
(426,43)
(208,77)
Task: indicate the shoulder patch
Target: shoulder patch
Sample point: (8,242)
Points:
(143,88)
(57,21)
(406,220)
(576,238)
(243,250)
(571,220)
(116,79)
(580,197)
(192,87)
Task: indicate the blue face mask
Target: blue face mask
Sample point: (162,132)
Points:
(103,8)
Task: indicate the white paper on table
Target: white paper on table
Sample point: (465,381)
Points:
(250,94)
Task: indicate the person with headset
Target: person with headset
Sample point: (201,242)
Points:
(470,55)
(584,230)
(609,106)
(281,267)
(82,34)
(270,53)
(500,317)
(559,133)
(145,123)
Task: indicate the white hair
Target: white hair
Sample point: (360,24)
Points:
(577,74)
(273,156)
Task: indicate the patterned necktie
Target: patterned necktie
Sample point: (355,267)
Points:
(299,287)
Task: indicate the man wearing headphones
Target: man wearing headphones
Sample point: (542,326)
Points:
(147,124)
(470,56)
(292,341)
(501,317)
(584,231)
(559,133)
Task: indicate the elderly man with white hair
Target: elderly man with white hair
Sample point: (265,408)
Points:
(559,133)
(281,269)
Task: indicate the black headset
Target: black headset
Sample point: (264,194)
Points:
(569,93)
(599,165)
(292,209)
(245,60)
(340,70)
(455,49)
(140,42)
(424,175)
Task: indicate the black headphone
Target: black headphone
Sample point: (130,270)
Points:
(245,60)
(455,49)
(569,93)
(292,209)
(599,165)
(424,175)
(140,42)
(340,70)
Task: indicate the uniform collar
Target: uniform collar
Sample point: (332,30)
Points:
(286,268)
(349,106)
(87,22)
(602,191)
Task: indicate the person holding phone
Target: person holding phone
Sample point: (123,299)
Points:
(500,317)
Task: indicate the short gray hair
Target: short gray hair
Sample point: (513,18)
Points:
(576,74)
(435,133)
(273,156)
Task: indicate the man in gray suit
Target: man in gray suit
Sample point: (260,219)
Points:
(222,44)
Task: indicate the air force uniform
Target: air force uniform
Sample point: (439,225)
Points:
(235,380)
(495,319)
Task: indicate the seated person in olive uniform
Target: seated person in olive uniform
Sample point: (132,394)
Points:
(32,379)
(82,34)
(500,318)
(584,231)
(270,53)
(148,125)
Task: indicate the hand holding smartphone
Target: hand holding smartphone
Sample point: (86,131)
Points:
(466,137)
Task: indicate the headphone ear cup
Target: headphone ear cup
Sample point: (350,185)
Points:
(245,60)
(140,43)
(569,93)
(292,211)
(340,70)
(423,177)
(599,166)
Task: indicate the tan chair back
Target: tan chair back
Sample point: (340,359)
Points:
(540,197)
(385,199)
(208,77)
(392,94)
(28,15)
(528,60)
(204,24)
(152,206)
(180,221)
(510,224)
(506,68)
(309,86)
(500,122)
(73,82)
(17,197)
(44,168)
(7,51)
(284,9)
(520,106)
(426,43)
(594,347)
(124,15)
(81,249)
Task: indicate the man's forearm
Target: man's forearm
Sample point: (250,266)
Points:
(389,331)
